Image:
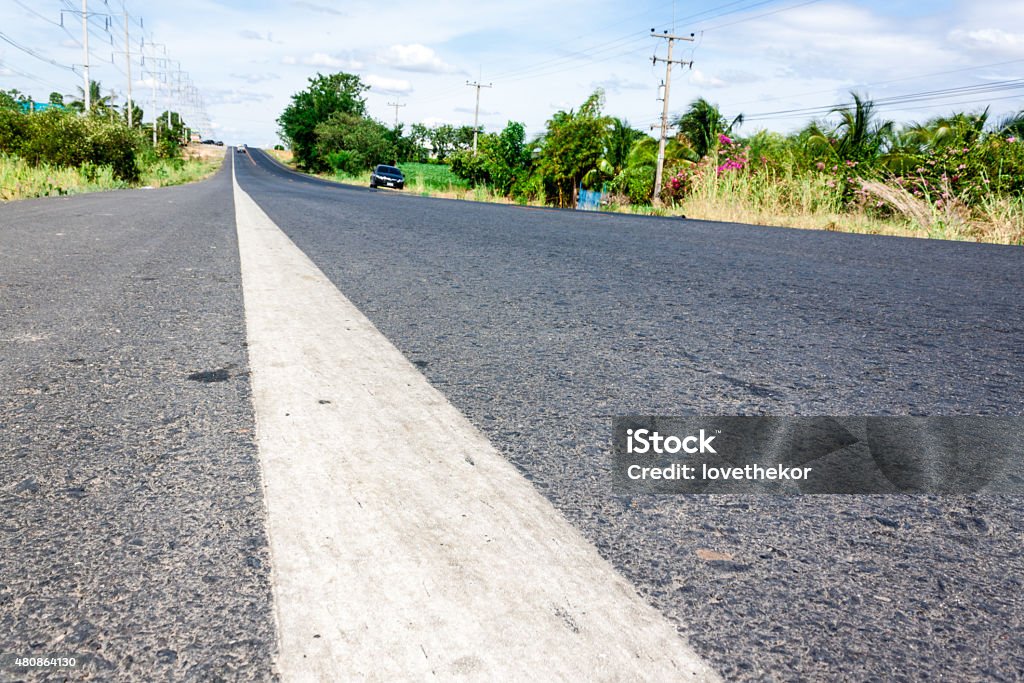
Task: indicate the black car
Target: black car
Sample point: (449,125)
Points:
(387,176)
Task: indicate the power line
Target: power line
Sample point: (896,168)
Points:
(910,98)
(758,16)
(29,51)
(554,65)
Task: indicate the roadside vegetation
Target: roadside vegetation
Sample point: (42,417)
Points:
(958,176)
(60,149)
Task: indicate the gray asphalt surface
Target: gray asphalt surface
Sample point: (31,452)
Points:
(132,531)
(542,326)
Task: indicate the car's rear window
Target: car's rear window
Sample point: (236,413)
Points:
(388,169)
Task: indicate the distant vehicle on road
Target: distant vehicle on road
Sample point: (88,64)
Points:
(241,149)
(219,143)
(387,176)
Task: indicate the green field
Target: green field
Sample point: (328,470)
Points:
(419,178)
(431,177)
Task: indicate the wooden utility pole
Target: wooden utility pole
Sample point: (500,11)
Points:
(656,199)
(476,116)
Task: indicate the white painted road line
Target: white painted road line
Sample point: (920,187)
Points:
(404,546)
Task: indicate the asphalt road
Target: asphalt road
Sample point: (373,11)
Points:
(542,326)
(132,526)
(131,532)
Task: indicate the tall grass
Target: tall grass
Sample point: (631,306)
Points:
(798,199)
(21,180)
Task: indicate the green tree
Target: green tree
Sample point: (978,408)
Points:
(353,144)
(859,136)
(98,103)
(339,93)
(13,99)
(1012,125)
(137,113)
(419,136)
(509,158)
(572,146)
(618,143)
(404,147)
(446,140)
(56,99)
(702,124)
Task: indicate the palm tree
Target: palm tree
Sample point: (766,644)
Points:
(957,129)
(702,124)
(859,135)
(618,142)
(98,103)
(1012,125)
(677,152)
(136,114)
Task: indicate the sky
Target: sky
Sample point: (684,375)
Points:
(779,62)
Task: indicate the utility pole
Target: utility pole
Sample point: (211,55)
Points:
(128,62)
(397,106)
(476,116)
(664,108)
(85,51)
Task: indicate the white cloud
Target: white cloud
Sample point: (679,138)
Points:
(616,84)
(314,7)
(990,39)
(390,86)
(326,60)
(414,57)
(255,78)
(236,96)
(698,77)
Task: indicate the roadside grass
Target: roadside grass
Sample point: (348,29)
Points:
(785,198)
(803,200)
(20,180)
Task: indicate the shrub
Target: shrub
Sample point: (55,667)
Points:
(635,183)
(13,130)
(61,138)
(346,162)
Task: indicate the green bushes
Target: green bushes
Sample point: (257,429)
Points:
(64,139)
(56,152)
(634,183)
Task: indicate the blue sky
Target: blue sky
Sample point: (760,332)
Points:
(757,57)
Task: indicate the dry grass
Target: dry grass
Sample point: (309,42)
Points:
(283,155)
(998,220)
